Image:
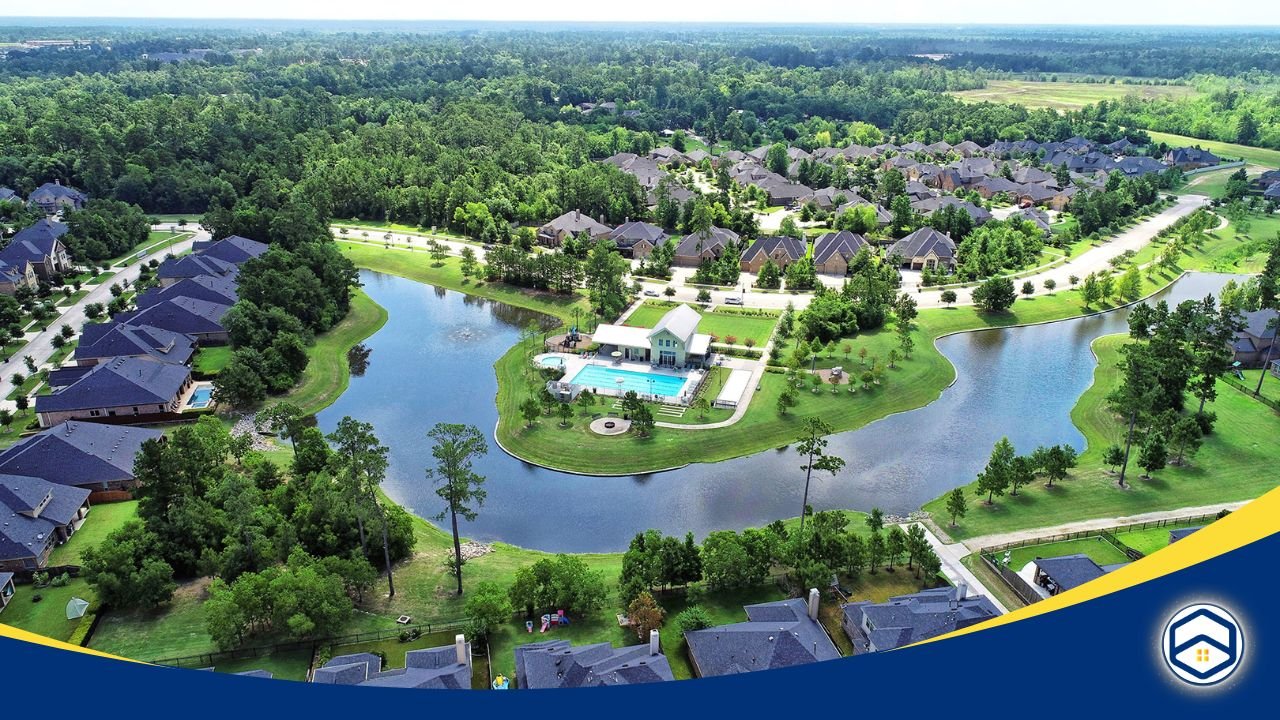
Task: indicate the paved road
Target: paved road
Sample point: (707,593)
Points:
(1095,259)
(954,569)
(977,543)
(40,346)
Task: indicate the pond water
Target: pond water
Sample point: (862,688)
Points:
(432,362)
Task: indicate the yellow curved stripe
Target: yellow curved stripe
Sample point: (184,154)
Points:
(1250,523)
(10,631)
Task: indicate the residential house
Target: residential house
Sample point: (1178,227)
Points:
(998,185)
(232,249)
(1036,216)
(200,319)
(16,277)
(9,195)
(1045,196)
(909,619)
(695,248)
(210,288)
(833,251)
(929,206)
(1255,343)
(669,156)
(635,239)
(1263,182)
(571,224)
(127,389)
(175,269)
(673,342)
(440,668)
(697,156)
(828,198)
(36,516)
(103,341)
(782,250)
(1272,192)
(968,148)
(1191,158)
(1059,574)
(7,589)
(41,245)
(776,635)
(553,664)
(918,190)
(783,192)
(1028,175)
(1121,146)
(925,248)
(1139,165)
(53,198)
(87,455)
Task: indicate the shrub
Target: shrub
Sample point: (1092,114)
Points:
(693,618)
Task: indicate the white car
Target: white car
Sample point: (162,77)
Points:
(651,293)
(733,300)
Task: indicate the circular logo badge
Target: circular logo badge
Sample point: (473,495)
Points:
(1202,644)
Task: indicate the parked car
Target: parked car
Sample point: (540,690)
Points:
(651,293)
(733,300)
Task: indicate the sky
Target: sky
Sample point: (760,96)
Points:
(1075,12)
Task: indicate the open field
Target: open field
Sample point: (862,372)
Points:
(1067,95)
(1225,470)
(719,324)
(1251,155)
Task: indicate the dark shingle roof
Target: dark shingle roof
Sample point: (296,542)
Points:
(78,453)
(846,243)
(119,382)
(1070,571)
(793,248)
(628,234)
(23,537)
(431,668)
(233,249)
(920,242)
(557,664)
(210,288)
(776,635)
(181,315)
(695,243)
(116,340)
(33,243)
(908,619)
(189,266)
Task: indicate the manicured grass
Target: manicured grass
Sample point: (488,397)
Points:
(1270,386)
(1249,253)
(154,237)
(282,665)
(1152,539)
(719,324)
(1225,470)
(1067,95)
(49,616)
(1252,155)
(327,374)
(102,521)
(211,360)
(394,651)
(1097,548)
(993,582)
(176,629)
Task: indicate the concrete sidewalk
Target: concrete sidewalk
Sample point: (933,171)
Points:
(954,569)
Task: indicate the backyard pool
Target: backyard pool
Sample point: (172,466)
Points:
(551,361)
(201,398)
(606,378)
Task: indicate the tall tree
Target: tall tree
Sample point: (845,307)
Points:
(813,444)
(1135,396)
(362,466)
(460,486)
(1269,299)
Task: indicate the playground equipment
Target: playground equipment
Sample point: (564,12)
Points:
(549,621)
(501,683)
(528,625)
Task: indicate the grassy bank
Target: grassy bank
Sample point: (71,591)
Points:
(1230,466)
(327,374)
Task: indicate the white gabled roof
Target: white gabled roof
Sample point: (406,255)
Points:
(682,321)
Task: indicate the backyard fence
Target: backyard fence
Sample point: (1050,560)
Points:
(1027,594)
(1249,391)
(211,659)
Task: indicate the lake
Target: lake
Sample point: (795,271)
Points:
(433,362)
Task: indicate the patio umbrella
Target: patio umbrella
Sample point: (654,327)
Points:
(76,608)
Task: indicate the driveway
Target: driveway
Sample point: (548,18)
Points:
(954,569)
(40,346)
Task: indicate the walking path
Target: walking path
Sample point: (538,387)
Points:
(953,567)
(977,543)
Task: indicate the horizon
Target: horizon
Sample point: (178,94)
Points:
(1172,14)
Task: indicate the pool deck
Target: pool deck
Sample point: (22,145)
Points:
(573,364)
(187,400)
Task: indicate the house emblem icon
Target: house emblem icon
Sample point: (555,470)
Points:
(1203,644)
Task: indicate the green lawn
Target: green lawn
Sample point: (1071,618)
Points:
(1248,254)
(211,360)
(49,616)
(153,238)
(1067,95)
(721,324)
(1152,539)
(1225,470)
(102,521)
(327,374)
(994,583)
(176,629)
(283,665)
(1252,155)
(1097,548)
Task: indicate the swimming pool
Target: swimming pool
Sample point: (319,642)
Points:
(551,361)
(606,378)
(201,398)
